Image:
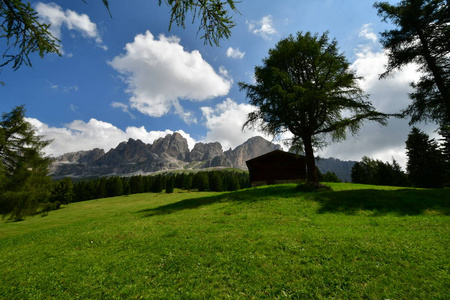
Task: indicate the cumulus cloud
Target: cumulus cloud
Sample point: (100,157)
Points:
(235,53)
(263,27)
(54,15)
(159,73)
(224,123)
(80,135)
(388,95)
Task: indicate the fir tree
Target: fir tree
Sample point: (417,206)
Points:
(23,167)
(425,164)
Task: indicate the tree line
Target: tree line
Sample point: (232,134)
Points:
(217,181)
(428,164)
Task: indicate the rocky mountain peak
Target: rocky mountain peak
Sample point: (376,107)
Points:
(174,145)
(168,153)
(252,148)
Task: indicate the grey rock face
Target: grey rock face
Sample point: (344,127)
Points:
(252,148)
(168,153)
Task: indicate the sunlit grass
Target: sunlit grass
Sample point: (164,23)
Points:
(269,242)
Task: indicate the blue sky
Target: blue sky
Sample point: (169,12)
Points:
(129,77)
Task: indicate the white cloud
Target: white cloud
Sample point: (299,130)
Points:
(367,32)
(54,15)
(388,95)
(123,107)
(263,27)
(235,53)
(159,73)
(80,135)
(224,123)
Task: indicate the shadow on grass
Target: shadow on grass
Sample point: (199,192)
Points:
(379,202)
(247,195)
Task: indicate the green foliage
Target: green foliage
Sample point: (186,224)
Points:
(421,36)
(117,186)
(370,171)
(170,184)
(214,16)
(25,184)
(201,181)
(357,242)
(62,191)
(157,184)
(426,164)
(23,30)
(330,177)
(114,186)
(304,87)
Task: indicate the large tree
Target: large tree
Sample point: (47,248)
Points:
(421,36)
(23,168)
(305,87)
(25,33)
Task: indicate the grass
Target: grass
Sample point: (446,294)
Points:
(270,242)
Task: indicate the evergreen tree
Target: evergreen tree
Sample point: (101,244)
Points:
(201,181)
(136,184)
(63,191)
(187,181)
(330,177)
(376,172)
(101,188)
(216,181)
(158,184)
(421,36)
(364,171)
(114,186)
(233,183)
(425,164)
(170,184)
(23,167)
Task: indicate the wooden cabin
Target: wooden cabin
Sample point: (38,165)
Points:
(277,167)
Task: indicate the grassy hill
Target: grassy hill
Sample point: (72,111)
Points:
(270,242)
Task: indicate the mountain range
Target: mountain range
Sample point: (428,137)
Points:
(171,153)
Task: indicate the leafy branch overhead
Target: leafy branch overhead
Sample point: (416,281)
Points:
(26,34)
(421,36)
(215,19)
(23,30)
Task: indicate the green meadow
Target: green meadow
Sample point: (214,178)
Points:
(273,242)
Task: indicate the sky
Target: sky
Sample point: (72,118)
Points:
(128,76)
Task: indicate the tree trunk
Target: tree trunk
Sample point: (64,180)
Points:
(310,162)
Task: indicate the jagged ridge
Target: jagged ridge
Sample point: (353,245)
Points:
(168,153)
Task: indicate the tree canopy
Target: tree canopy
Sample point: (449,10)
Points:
(422,36)
(305,87)
(25,33)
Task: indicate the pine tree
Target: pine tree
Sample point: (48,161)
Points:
(62,191)
(170,184)
(216,181)
(421,37)
(23,167)
(425,164)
